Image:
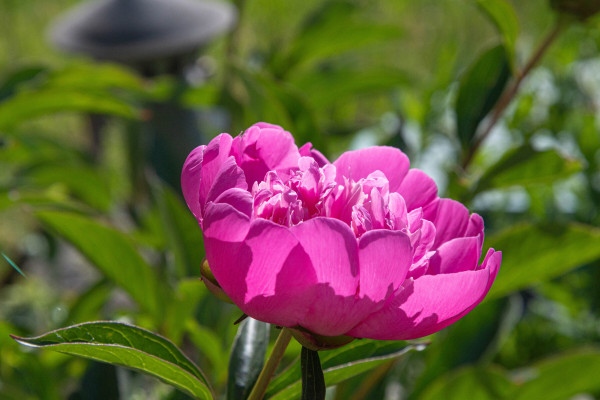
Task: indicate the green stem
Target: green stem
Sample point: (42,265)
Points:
(260,388)
(510,93)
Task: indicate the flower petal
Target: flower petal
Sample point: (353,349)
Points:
(333,251)
(425,305)
(418,189)
(265,147)
(239,199)
(450,222)
(308,151)
(190,180)
(278,275)
(209,163)
(359,164)
(456,255)
(385,257)
(224,230)
(229,176)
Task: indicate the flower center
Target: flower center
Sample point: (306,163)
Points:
(364,205)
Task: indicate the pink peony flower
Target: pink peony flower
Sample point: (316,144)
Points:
(361,247)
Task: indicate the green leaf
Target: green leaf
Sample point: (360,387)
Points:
(480,88)
(182,307)
(182,233)
(82,181)
(474,338)
(502,14)
(313,381)
(341,364)
(94,76)
(473,383)
(112,252)
(11,83)
(314,40)
(562,377)
(342,83)
(535,253)
(247,358)
(127,346)
(87,305)
(525,166)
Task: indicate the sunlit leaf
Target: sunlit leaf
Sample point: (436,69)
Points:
(338,85)
(480,88)
(182,233)
(330,30)
(111,252)
(127,346)
(535,253)
(525,166)
(562,377)
(340,364)
(10,84)
(502,14)
(83,182)
(31,104)
(473,383)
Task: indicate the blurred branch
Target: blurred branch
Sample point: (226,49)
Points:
(510,93)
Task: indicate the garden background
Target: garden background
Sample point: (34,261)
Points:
(93,225)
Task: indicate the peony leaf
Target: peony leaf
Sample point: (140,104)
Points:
(313,381)
(181,231)
(474,383)
(502,14)
(118,259)
(127,346)
(536,253)
(341,364)
(26,105)
(247,358)
(562,377)
(525,166)
(480,88)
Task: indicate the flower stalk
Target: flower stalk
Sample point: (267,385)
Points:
(509,94)
(260,388)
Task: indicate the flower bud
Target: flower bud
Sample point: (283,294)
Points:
(316,342)
(211,283)
(581,9)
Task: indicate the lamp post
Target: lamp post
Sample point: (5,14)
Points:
(154,37)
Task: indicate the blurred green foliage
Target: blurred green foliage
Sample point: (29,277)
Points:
(99,236)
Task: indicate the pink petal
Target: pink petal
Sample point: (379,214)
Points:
(225,223)
(451,221)
(333,250)
(308,151)
(385,257)
(425,305)
(214,156)
(265,147)
(475,228)
(278,277)
(229,176)
(224,230)
(239,199)
(456,255)
(190,180)
(418,189)
(359,164)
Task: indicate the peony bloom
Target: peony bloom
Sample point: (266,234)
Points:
(361,247)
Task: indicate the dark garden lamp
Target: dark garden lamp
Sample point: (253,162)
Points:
(154,37)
